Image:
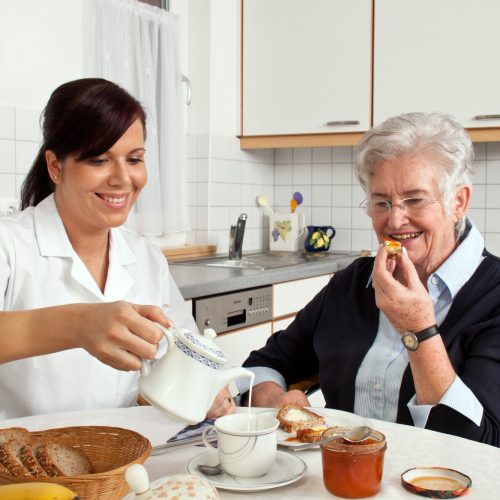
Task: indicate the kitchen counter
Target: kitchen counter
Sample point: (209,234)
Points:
(201,281)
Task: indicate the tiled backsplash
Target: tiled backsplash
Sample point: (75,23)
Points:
(326,179)
(224,181)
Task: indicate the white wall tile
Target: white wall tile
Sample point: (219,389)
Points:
(283,156)
(341,240)
(321,174)
(342,154)
(341,196)
(302,174)
(342,173)
(8,156)
(493,171)
(219,170)
(28,125)
(25,155)
(478,217)
(478,196)
(322,155)
(493,150)
(493,196)
(235,195)
(7,122)
(492,242)
(301,155)
(321,216)
(19,182)
(361,240)
(360,219)
(283,175)
(201,218)
(341,217)
(191,146)
(492,221)
(480,150)
(321,196)
(480,173)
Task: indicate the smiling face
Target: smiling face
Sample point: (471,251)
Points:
(96,194)
(429,235)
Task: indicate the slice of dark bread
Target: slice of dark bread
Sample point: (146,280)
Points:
(9,458)
(29,460)
(61,460)
(18,433)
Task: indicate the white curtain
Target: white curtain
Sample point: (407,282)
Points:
(137,46)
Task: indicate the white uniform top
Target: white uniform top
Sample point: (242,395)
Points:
(39,268)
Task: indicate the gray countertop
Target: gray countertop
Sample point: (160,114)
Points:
(196,281)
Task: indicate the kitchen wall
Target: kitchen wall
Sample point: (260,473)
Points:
(224,181)
(220,175)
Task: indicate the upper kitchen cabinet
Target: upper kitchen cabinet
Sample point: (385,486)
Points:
(439,56)
(306,72)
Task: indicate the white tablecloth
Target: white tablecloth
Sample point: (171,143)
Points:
(407,447)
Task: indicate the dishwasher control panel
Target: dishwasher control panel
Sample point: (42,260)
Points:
(229,311)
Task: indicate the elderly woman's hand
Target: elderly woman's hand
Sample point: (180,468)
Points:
(223,404)
(400,294)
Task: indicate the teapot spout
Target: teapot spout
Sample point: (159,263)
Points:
(226,376)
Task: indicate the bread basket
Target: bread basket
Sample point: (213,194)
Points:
(110,450)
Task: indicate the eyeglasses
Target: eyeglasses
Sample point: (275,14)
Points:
(378,207)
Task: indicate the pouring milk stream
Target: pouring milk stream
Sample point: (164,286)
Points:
(186,380)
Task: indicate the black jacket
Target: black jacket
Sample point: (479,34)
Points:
(333,333)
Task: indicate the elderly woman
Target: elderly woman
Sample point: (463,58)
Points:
(414,341)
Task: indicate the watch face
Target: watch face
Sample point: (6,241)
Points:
(410,341)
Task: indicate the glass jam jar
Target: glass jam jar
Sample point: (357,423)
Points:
(353,470)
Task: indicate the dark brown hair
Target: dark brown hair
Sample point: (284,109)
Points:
(83,118)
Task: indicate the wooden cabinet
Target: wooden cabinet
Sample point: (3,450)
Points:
(308,63)
(305,66)
(437,56)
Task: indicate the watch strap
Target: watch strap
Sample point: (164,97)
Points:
(426,333)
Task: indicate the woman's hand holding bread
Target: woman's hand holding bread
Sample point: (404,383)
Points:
(400,294)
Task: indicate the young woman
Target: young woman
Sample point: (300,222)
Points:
(79,292)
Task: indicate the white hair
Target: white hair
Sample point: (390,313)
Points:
(432,135)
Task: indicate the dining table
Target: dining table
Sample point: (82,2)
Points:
(407,447)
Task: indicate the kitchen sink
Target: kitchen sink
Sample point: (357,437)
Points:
(268,260)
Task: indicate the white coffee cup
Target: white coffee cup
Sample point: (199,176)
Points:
(246,443)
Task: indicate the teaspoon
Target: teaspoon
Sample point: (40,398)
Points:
(210,470)
(354,435)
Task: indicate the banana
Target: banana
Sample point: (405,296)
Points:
(36,491)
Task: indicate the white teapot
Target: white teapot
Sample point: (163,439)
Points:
(186,380)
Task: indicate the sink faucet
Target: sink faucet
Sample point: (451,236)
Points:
(236,234)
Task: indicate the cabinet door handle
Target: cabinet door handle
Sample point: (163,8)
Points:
(341,122)
(486,117)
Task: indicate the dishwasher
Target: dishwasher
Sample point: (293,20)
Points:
(232,310)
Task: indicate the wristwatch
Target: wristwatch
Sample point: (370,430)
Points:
(411,340)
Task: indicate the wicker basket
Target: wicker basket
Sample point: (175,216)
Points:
(110,451)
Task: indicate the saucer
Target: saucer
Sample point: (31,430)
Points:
(287,469)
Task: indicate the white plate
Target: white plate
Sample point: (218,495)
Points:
(335,418)
(287,469)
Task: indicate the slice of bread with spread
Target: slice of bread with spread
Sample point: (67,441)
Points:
(311,434)
(293,417)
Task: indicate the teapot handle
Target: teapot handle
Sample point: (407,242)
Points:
(168,334)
